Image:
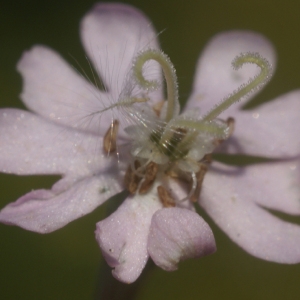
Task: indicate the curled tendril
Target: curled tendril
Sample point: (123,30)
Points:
(169,74)
(254,84)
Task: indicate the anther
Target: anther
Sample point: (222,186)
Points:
(149,177)
(230,122)
(131,179)
(110,138)
(165,197)
(199,177)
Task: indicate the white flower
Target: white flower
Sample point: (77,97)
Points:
(159,153)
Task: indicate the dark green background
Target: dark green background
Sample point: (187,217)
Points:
(65,264)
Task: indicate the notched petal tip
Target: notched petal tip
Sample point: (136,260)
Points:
(123,255)
(21,212)
(122,237)
(232,206)
(44,211)
(177,234)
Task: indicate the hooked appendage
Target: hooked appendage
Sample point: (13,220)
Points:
(167,143)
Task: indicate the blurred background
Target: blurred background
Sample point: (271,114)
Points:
(65,264)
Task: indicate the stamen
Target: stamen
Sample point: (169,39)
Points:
(199,176)
(136,168)
(131,180)
(254,84)
(231,122)
(169,74)
(150,175)
(165,197)
(110,138)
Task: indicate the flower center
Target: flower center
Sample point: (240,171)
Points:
(166,143)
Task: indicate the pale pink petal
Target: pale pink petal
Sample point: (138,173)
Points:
(177,234)
(44,211)
(112,34)
(269,130)
(56,91)
(215,78)
(31,145)
(274,185)
(231,203)
(123,236)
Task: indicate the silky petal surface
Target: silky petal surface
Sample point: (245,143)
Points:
(274,185)
(215,78)
(56,91)
(30,144)
(123,236)
(269,130)
(112,35)
(44,211)
(231,204)
(177,234)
